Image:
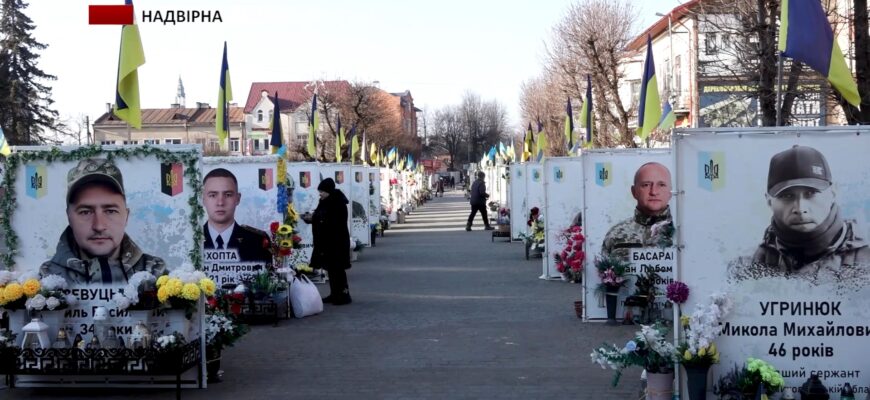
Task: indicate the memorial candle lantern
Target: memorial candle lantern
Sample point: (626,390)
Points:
(35,335)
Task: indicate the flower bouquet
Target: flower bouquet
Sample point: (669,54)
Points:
(649,349)
(264,284)
(754,378)
(611,272)
(222,330)
(139,294)
(504,216)
(284,240)
(700,329)
(20,291)
(182,288)
(570,261)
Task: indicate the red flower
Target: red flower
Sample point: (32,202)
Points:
(284,252)
(274,227)
(296,238)
(266,243)
(578,247)
(212,302)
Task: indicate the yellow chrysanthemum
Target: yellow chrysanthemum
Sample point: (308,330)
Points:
(190,291)
(31,287)
(207,286)
(2,296)
(162,280)
(13,292)
(174,286)
(285,229)
(286,244)
(163,294)
(687,355)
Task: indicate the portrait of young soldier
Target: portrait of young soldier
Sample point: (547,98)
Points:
(652,191)
(94,247)
(807,236)
(221,197)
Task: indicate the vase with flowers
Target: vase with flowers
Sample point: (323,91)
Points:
(697,349)
(182,289)
(612,274)
(755,379)
(569,262)
(222,330)
(651,349)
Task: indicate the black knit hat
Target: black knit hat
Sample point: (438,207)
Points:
(327,185)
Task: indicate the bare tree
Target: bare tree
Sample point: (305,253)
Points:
(485,123)
(542,99)
(448,134)
(591,39)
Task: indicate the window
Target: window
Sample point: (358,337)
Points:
(151,141)
(711,44)
(172,141)
(635,92)
(234,145)
(301,127)
(256,144)
(129,142)
(266,144)
(107,142)
(678,87)
(259,115)
(270,116)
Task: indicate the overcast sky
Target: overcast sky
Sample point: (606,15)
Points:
(438,50)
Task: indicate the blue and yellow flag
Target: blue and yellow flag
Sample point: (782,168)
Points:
(805,35)
(569,127)
(313,124)
(586,120)
(339,140)
(4,145)
(528,144)
(668,118)
(649,108)
(373,154)
(277,140)
(354,144)
(130,58)
(225,95)
(542,143)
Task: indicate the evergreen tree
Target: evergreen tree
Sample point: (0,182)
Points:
(25,102)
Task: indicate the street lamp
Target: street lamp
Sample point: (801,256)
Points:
(671,48)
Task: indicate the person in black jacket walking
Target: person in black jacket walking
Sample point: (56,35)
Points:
(478,202)
(331,240)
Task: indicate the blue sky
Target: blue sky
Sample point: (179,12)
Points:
(437,50)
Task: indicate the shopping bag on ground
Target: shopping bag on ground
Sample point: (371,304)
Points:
(304,297)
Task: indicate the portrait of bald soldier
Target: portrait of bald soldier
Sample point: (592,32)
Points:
(652,191)
(221,197)
(808,237)
(94,247)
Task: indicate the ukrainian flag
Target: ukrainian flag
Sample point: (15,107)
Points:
(339,140)
(668,118)
(354,143)
(373,154)
(569,126)
(805,35)
(649,108)
(528,144)
(277,140)
(4,145)
(542,146)
(130,58)
(313,124)
(586,111)
(225,94)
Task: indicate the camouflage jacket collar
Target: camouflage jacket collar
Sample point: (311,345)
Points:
(649,220)
(68,249)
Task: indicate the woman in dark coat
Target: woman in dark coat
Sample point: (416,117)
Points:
(331,240)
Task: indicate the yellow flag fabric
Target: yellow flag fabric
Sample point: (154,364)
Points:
(131,57)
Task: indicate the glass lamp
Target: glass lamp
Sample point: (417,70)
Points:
(35,335)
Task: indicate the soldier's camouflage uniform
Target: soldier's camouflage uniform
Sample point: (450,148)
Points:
(639,231)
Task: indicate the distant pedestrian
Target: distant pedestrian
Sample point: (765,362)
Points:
(478,202)
(439,188)
(331,240)
(452,182)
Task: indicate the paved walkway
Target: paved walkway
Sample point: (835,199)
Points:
(438,313)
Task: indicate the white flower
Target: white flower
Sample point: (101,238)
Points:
(52,302)
(121,301)
(25,276)
(53,282)
(36,302)
(71,300)
(140,277)
(6,277)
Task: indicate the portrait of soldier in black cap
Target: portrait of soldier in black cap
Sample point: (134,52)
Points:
(221,197)
(807,236)
(94,247)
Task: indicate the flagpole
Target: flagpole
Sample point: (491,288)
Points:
(778,88)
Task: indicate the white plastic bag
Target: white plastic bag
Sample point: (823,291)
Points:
(304,297)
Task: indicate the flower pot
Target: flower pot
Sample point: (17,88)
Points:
(611,296)
(578,308)
(659,386)
(696,381)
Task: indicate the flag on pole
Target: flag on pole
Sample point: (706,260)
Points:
(668,117)
(354,144)
(528,144)
(569,127)
(373,154)
(805,35)
(542,146)
(4,145)
(277,140)
(339,138)
(649,108)
(225,95)
(130,58)
(586,120)
(313,124)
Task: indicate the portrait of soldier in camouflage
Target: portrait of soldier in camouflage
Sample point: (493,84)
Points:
(651,225)
(808,237)
(95,247)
